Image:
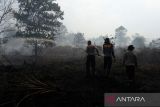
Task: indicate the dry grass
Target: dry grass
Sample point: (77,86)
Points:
(61,82)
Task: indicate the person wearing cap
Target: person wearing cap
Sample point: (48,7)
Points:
(130,63)
(108,51)
(91,51)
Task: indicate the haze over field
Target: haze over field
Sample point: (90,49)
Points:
(45,60)
(100,17)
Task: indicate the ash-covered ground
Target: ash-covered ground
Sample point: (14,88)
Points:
(56,77)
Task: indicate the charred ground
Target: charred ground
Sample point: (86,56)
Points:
(59,79)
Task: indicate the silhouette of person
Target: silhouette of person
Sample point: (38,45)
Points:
(108,51)
(130,62)
(90,63)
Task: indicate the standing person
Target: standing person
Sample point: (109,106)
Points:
(108,52)
(130,62)
(91,52)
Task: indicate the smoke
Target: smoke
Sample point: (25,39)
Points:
(98,41)
(121,39)
(17,46)
(79,40)
(155,43)
(138,41)
(65,39)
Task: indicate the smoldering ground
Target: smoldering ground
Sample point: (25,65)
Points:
(56,77)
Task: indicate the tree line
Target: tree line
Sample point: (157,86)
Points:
(41,19)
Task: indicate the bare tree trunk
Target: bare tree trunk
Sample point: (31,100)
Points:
(5,11)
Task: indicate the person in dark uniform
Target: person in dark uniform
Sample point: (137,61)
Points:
(108,51)
(130,63)
(91,51)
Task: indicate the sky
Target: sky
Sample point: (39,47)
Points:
(101,17)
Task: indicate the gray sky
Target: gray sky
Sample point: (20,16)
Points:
(100,17)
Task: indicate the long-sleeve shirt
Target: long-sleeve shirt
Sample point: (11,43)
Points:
(130,59)
(92,50)
(108,50)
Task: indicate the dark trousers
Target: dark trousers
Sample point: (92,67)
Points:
(90,64)
(107,64)
(130,70)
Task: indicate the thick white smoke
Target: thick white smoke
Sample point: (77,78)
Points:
(17,46)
